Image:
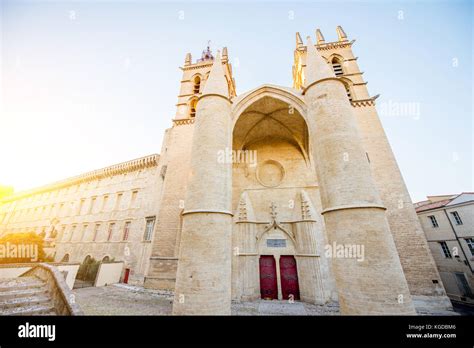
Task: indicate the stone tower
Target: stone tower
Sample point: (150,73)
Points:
(175,166)
(416,260)
(353,211)
(203,281)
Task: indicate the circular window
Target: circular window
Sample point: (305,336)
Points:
(270,173)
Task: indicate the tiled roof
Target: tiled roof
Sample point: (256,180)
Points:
(434,205)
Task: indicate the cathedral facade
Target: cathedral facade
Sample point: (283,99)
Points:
(289,193)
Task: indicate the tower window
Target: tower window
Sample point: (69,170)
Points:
(337,67)
(197,84)
(348,91)
(192,108)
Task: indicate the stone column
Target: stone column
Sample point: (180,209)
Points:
(353,213)
(203,282)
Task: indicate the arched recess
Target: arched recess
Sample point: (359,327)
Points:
(271,113)
(192,107)
(65,258)
(196,80)
(349,87)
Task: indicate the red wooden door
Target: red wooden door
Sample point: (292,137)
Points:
(289,278)
(125,277)
(268,277)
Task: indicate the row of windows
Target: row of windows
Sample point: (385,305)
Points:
(447,252)
(80,234)
(454,214)
(63,209)
(66,190)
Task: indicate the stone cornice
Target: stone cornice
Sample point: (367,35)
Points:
(183,121)
(196,66)
(330,45)
(120,168)
(364,102)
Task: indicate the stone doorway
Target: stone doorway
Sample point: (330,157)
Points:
(268,278)
(289,278)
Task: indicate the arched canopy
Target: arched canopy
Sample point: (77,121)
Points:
(271,113)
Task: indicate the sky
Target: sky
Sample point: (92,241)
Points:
(87,84)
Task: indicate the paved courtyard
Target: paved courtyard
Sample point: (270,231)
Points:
(121,299)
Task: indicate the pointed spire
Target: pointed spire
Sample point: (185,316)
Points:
(225,55)
(341,34)
(319,37)
(299,41)
(217,82)
(316,66)
(187,61)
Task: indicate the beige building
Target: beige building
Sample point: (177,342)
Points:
(105,214)
(289,193)
(448,222)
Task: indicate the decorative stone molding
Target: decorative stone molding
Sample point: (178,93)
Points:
(183,121)
(265,175)
(364,102)
(330,45)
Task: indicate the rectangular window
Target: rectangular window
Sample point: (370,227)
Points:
(81,205)
(150,224)
(434,223)
(111,232)
(457,218)
(119,201)
(470,245)
(71,235)
(133,199)
(84,231)
(91,208)
(446,251)
(126,230)
(61,234)
(104,203)
(96,232)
